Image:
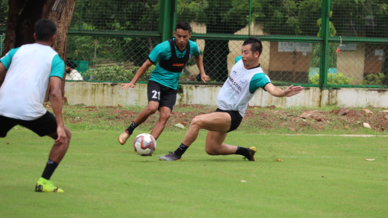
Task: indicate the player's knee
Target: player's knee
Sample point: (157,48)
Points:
(151,109)
(210,151)
(165,115)
(196,121)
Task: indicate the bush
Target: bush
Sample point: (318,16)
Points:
(373,79)
(110,73)
(333,79)
(117,73)
(146,75)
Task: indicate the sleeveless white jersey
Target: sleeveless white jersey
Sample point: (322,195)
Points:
(234,94)
(24,88)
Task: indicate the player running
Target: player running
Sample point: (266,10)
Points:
(30,68)
(245,78)
(172,55)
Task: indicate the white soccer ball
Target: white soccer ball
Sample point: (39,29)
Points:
(144,144)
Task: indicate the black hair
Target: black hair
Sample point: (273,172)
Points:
(45,29)
(183,25)
(71,63)
(255,44)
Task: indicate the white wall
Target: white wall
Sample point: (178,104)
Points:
(111,94)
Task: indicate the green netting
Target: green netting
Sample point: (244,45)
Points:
(232,17)
(98,54)
(3,14)
(116,15)
(360,18)
(362,64)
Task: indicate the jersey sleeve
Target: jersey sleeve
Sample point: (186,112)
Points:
(194,49)
(159,52)
(57,67)
(237,59)
(259,80)
(7,59)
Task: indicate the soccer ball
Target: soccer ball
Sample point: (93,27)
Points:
(144,144)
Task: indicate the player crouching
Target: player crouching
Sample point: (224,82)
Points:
(245,78)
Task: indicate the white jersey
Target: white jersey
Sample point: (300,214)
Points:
(234,94)
(24,88)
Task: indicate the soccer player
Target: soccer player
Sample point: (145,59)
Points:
(172,55)
(245,78)
(30,68)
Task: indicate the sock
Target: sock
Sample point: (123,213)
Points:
(131,127)
(242,151)
(181,149)
(49,170)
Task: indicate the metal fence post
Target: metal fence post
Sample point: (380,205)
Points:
(250,17)
(167,18)
(80,17)
(323,67)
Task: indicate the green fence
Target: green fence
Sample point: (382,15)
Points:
(317,43)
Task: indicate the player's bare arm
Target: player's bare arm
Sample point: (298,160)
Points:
(147,64)
(56,102)
(199,62)
(278,92)
(3,71)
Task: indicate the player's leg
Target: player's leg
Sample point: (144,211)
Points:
(6,124)
(153,89)
(215,146)
(213,121)
(47,126)
(167,102)
(164,115)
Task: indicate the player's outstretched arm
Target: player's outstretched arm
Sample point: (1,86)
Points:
(277,92)
(199,62)
(147,64)
(56,103)
(3,71)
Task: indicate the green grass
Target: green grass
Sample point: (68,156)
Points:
(321,176)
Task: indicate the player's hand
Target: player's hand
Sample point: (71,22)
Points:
(127,85)
(293,90)
(204,78)
(62,137)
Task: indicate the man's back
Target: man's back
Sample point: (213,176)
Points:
(28,70)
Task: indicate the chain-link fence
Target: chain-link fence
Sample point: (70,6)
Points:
(338,43)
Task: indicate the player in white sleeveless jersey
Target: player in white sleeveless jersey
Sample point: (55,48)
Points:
(29,70)
(245,78)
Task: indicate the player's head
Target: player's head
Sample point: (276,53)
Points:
(182,33)
(45,31)
(251,50)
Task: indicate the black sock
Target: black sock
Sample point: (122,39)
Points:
(181,149)
(242,151)
(49,170)
(132,127)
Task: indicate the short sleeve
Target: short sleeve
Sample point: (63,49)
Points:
(237,59)
(57,67)
(159,52)
(194,48)
(259,80)
(7,59)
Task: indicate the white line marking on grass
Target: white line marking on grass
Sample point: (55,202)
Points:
(336,135)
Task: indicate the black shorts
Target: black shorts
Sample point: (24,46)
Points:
(164,95)
(45,125)
(235,116)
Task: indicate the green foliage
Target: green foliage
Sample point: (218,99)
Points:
(333,79)
(110,73)
(146,75)
(117,73)
(373,79)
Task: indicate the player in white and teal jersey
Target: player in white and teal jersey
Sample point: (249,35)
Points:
(245,78)
(170,58)
(28,71)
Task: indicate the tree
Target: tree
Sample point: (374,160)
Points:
(22,16)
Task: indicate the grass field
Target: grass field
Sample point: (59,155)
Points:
(320,176)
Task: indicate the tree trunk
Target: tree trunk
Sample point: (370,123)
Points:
(22,16)
(384,67)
